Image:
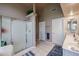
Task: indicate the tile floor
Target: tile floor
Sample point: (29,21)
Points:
(43,48)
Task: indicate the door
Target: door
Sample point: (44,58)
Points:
(19,35)
(42,31)
(57,31)
(29,34)
(0,30)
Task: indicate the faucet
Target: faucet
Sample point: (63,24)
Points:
(75,38)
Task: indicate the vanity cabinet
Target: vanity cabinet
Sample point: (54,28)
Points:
(70,47)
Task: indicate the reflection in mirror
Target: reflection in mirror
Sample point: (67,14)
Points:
(72,25)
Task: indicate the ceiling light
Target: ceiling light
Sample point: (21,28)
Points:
(71,13)
(71,3)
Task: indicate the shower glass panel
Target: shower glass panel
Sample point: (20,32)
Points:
(0,31)
(13,32)
(18,35)
(6,31)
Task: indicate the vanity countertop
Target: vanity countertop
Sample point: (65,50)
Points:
(70,44)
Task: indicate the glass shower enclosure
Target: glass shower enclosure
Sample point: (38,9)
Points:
(12,32)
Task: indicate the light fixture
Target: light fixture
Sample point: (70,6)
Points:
(71,3)
(71,13)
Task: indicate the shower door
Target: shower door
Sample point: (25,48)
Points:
(57,31)
(19,35)
(0,31)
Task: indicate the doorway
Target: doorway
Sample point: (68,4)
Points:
(43,40)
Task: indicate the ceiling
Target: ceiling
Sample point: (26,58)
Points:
(25,6)
(67,8)
(39,6)
(70,9)
(30,5)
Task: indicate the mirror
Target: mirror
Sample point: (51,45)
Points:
(72,25)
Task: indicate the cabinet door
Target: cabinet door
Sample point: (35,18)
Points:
(69,53)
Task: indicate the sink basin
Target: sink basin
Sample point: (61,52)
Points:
(74,47)
(77,50)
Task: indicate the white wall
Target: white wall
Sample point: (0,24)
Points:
(32,18)
(12,10)
(34,29)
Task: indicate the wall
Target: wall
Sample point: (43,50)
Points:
(12,10)
(50,12)
(37,29)
(32,18)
